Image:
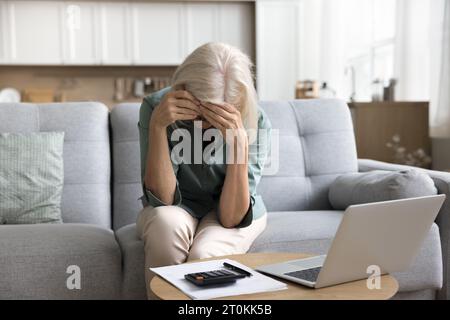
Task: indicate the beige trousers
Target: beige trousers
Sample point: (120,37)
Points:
(172,236)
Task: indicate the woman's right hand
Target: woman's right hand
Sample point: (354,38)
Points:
(175,105)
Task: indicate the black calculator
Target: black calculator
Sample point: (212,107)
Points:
(228,274)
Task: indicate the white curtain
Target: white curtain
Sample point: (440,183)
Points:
(330,34)
(332,46)
(440,73)
(323,42)
(423,56)
(334,31)
(412,47)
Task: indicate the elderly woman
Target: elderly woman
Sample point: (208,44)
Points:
(202,208)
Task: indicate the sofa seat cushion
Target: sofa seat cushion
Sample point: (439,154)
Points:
(293,231)
(313,231)
(34,261)
(298,231)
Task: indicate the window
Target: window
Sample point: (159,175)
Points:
(369,43)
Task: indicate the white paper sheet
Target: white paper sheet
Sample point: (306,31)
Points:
(256,283)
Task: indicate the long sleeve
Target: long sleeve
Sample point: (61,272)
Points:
(145,113)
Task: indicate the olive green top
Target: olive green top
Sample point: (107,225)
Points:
(199,183)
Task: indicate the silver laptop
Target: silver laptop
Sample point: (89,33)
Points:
(385,234)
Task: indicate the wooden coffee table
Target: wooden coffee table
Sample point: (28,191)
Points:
(356,290)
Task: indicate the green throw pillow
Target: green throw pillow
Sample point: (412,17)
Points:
(31,177)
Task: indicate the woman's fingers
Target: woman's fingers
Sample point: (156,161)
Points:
(187,104)
(182,116)
(220,111)
(229,107)
(217,118)
(183,94)
(214,122)
(186,111)
(184,99)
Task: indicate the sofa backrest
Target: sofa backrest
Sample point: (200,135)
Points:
(316,144)
(126,173)
(87,166)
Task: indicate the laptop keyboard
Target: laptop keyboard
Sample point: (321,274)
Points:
(307,274)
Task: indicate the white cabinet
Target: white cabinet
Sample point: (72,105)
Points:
(80,37)
(229,22)
(33,38)
(118,32)
(115,33)
(165,33)
(3,32)
(157,31)
(278,28)
(236,25)
(201,24)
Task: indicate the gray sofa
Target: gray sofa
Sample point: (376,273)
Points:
(102,186)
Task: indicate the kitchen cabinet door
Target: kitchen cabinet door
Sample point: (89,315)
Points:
(201,24)
(115,33)
(80,38)
(237,25)
(35,32)
(3,32)
(231,23)
(157,30)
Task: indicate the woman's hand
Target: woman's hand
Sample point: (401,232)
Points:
(235,197)
(176,105)
(159,175)
(227,119)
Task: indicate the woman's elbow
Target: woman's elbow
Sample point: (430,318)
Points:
(227,222)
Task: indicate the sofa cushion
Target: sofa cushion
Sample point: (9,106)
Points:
(374,186)
(301,231)
(87,169)
(34,261)
(313,231)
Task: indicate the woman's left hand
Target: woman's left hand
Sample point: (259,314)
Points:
(234,199)
(227,119)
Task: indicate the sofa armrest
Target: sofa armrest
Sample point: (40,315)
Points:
(442,182)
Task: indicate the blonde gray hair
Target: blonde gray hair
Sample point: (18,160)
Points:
(218,73)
